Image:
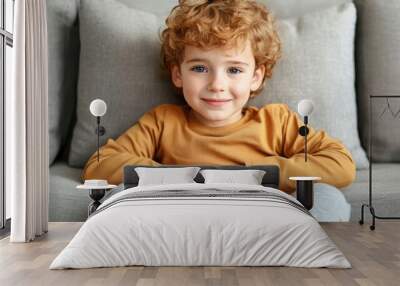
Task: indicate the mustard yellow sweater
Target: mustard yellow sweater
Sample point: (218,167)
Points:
(170,134)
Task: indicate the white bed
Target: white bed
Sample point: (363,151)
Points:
(222,224)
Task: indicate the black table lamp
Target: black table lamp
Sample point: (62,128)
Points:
(304,185)
(98,108)
(97,187)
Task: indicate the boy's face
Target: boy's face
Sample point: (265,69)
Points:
(216,83)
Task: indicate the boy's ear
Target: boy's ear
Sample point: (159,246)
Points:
(176,76)
(257,78)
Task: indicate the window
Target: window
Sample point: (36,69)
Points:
(6,61)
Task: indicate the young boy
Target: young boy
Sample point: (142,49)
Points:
(219,54)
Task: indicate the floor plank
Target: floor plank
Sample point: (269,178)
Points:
(374,255)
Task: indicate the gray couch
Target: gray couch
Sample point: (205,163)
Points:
(87,60)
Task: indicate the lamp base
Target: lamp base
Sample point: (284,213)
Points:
(305,190)
(96,195)
(305,193)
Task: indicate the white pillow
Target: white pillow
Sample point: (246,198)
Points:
(249,177)
(163,176)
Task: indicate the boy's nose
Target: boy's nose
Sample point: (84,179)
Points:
(217,83)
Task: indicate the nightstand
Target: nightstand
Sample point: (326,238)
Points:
(97,190)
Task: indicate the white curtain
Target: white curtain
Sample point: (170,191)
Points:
(27,172)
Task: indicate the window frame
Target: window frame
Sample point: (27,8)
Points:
(6,39)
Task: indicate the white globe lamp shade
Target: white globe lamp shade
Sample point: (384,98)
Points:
(98,107)
(305,107)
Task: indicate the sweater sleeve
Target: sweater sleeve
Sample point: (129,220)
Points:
(326,157)
(136,146)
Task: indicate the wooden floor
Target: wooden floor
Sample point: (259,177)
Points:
(374,255)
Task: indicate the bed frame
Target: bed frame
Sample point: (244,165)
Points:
(270,179)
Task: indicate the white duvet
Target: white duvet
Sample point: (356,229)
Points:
(190,230)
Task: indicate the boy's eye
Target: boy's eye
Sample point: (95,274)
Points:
(202,69)
(234,70)
(198,68)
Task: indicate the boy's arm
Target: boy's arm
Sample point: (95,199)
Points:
(326,157)
(136,146)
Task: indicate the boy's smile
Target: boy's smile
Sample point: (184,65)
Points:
(217,82)
(216,102)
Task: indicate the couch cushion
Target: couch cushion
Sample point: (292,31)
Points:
(318,64)
(282,9)
(66,202)
(296,8)
(378,73)
(63,47)
(120,63)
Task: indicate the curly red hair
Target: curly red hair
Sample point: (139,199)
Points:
(217,23)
